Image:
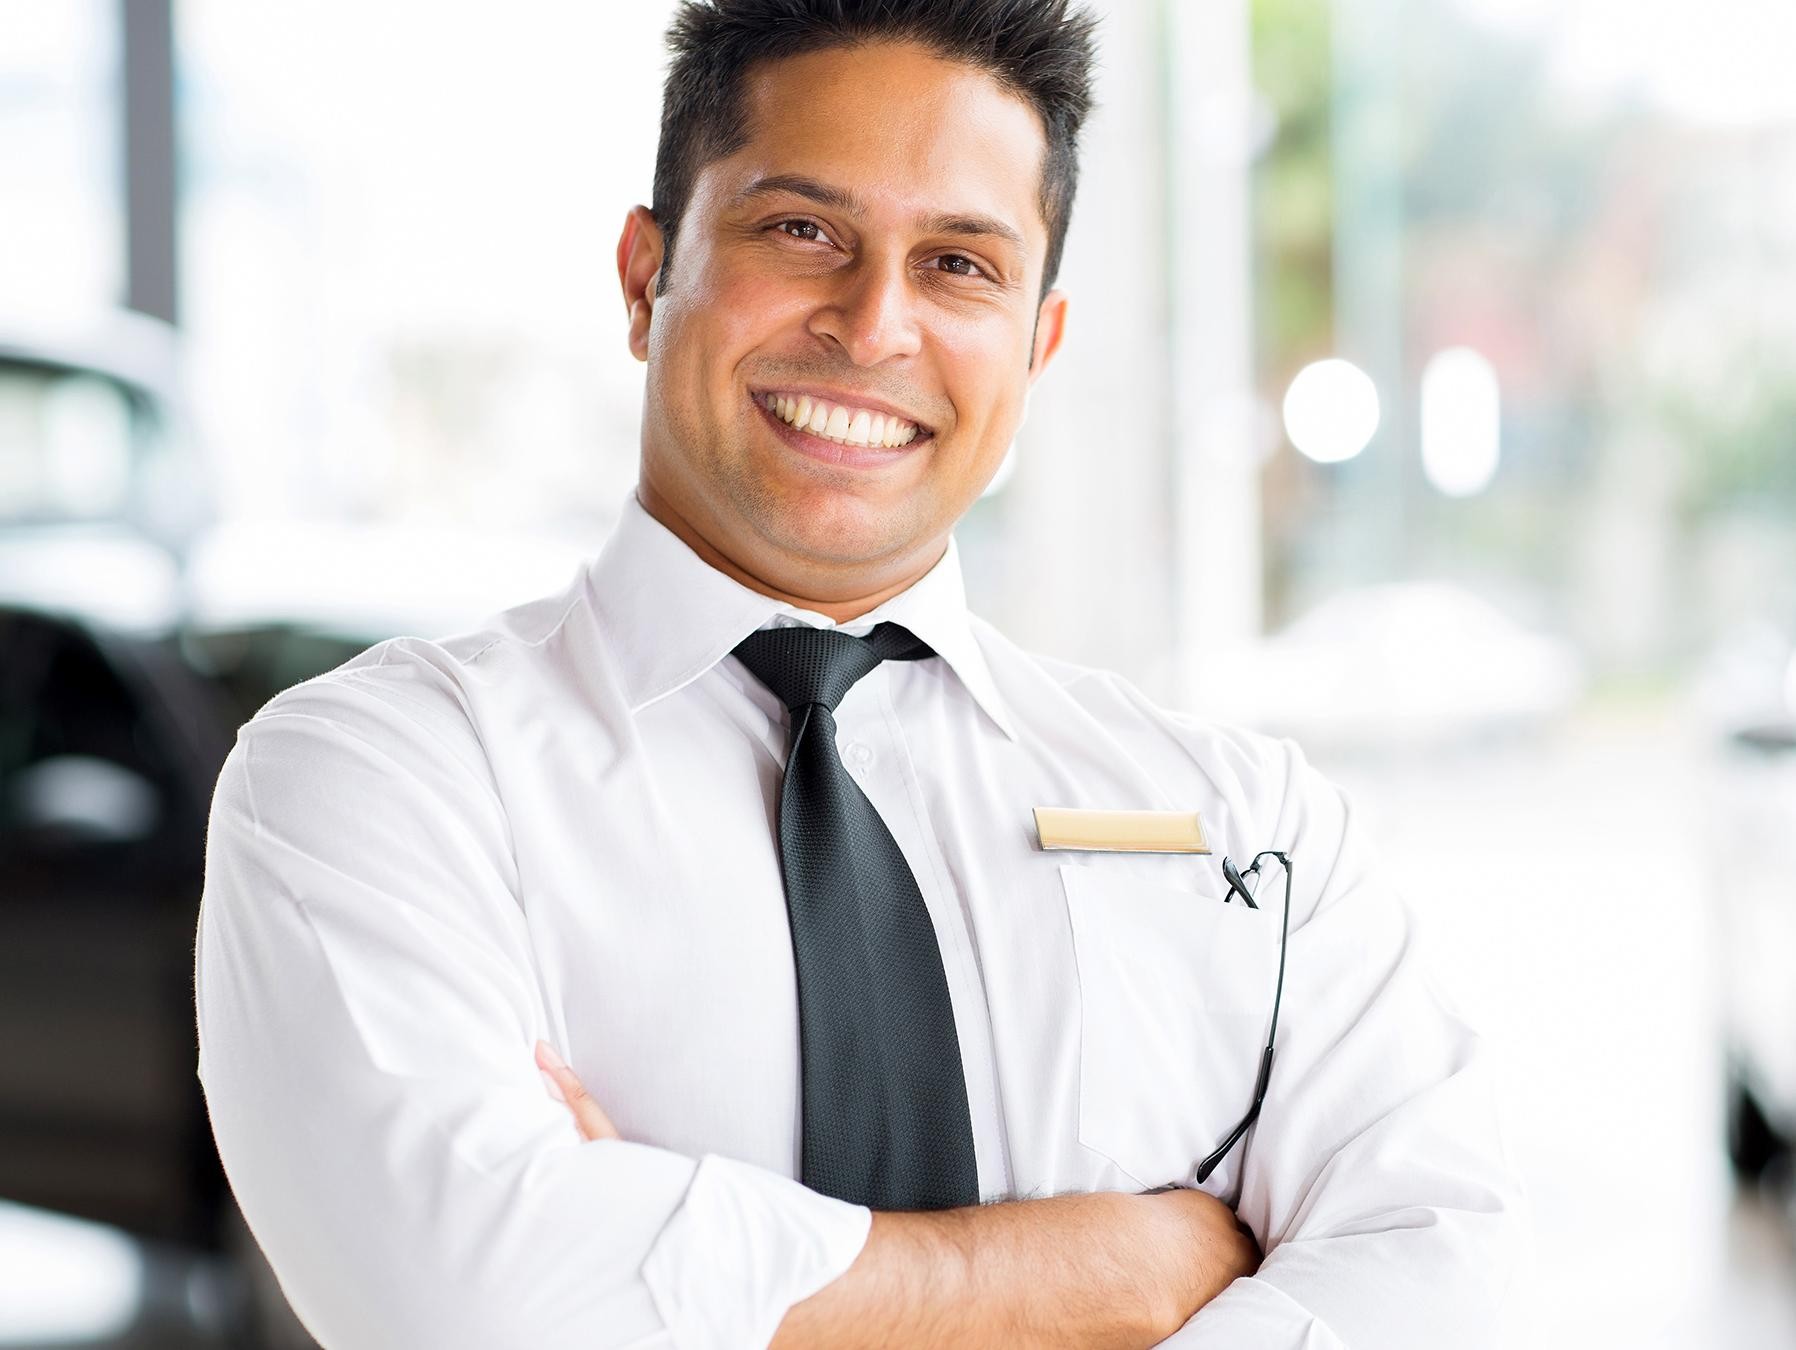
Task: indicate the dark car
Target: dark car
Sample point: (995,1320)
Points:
(1759,950)
(137,633)
(1745,697)
(116,713)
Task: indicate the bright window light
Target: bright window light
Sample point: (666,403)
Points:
(1461,421)
(1331,410)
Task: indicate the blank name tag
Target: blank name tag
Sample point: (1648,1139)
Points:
(1121,831)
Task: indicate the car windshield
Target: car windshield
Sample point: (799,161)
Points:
(70,444)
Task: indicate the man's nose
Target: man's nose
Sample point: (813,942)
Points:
(870,314)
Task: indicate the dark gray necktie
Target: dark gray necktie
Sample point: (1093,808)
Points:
(885,1100)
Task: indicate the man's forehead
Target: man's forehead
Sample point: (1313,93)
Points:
(892,127)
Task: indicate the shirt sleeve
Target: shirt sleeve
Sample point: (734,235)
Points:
(367,1011)
(1376,1178)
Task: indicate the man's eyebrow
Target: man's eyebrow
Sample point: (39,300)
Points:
(798,185)
(841,199)
(985,226)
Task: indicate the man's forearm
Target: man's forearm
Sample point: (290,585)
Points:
(1109,1271)
(1105,1271)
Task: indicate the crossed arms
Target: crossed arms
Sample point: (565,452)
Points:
(1095,1271)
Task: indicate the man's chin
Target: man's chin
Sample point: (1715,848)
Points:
(838,530)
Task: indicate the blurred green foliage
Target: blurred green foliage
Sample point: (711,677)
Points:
(1293,186)
(1739,453)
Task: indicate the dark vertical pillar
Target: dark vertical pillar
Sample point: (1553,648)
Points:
(146,28)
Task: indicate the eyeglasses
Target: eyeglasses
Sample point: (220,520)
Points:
(1238,886)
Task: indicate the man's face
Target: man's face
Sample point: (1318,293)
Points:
(868,264)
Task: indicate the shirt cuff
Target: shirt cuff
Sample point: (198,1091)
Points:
(1253,1314)
(743,1247)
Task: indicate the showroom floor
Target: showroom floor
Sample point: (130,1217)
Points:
(1562,885)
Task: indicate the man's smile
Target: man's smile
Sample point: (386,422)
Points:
(845,433)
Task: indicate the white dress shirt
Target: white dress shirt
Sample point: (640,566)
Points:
(562,826)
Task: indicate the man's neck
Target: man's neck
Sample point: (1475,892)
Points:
(840,610)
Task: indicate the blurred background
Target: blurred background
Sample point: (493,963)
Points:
(1430,396)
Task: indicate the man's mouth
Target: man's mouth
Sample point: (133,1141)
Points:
(843,423)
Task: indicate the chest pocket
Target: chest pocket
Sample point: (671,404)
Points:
(1175,993)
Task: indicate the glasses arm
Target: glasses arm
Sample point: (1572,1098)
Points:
(1201,1173)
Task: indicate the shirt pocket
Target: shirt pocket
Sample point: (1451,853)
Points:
(1175,991)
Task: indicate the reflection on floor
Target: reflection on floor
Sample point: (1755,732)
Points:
(1560,885)
(1562,888)
(65,1283)
(1752,1304)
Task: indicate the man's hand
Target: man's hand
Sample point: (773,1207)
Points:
(1215,1249)
(589,1118)
(1138,1265)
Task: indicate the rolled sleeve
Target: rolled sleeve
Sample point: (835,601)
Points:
(765,1238)
(1376,1179)
(366,1008)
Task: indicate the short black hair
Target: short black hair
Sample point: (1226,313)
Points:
(1042,50)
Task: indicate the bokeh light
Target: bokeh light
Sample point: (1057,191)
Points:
(1461,421)
(1331,410)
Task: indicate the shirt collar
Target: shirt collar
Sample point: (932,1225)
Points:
(670,616)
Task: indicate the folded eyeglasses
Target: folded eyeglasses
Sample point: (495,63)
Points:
(1237,883)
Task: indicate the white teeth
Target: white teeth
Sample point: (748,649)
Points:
(856,426)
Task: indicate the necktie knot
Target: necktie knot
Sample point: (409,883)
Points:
(804,665)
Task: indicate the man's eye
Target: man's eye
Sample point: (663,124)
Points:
(802,229)
(960,265)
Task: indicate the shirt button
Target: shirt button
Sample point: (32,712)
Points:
(860,753)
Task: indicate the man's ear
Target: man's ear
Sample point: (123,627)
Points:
(1050,327)
(639,251)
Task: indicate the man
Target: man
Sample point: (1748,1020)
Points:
(736,835)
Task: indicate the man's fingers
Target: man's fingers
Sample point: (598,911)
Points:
(589,1117)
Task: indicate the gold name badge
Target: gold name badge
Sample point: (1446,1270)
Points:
(1121,831)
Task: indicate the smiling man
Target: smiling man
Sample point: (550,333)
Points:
(735,840)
